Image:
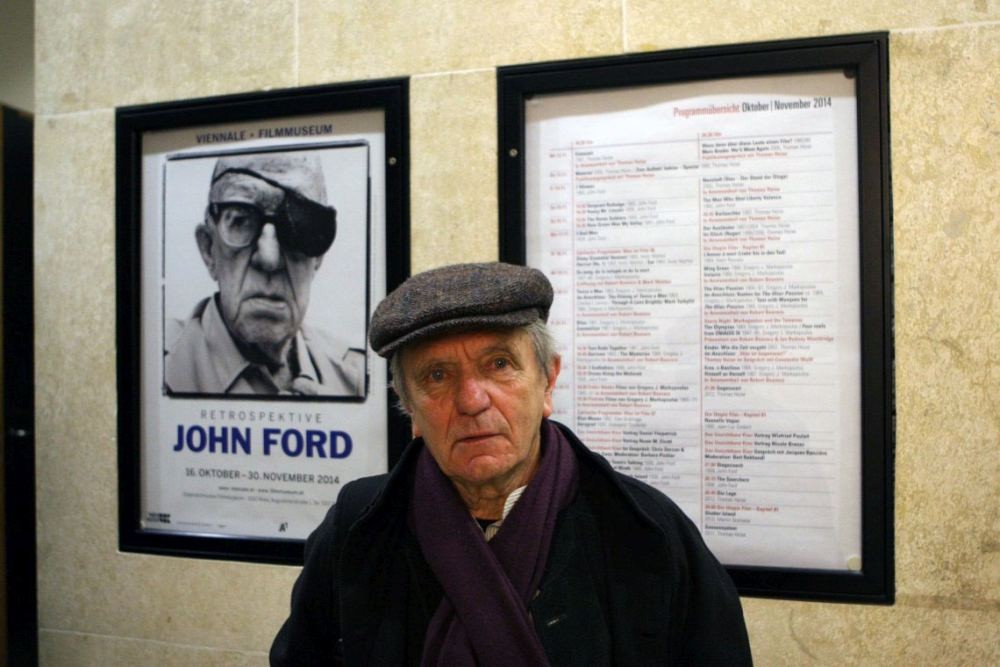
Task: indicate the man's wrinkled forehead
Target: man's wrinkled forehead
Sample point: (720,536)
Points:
(472,344)
(242,177)
(238,188)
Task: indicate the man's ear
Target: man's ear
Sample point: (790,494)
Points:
(550,384)
(203,236)
(319,262)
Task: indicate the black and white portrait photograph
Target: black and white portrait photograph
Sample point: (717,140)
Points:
(265,272)
(255,233)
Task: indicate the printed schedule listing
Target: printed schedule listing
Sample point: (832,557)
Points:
(702,239)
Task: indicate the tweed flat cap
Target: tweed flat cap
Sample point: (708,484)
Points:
(459,297)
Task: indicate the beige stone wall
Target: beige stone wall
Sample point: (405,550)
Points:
(100,607)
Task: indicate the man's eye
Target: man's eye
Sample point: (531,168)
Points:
(436,375)
(238,226)
(236,217)
(501,363)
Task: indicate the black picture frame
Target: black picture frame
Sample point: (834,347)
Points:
(864,57)
(135,125)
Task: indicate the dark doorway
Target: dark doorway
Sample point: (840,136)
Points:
(20,601)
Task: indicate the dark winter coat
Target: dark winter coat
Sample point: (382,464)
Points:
(629,581)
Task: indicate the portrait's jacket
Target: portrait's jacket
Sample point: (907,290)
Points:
(203,358)
(629,581)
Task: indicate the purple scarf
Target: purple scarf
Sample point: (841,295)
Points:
(483,616)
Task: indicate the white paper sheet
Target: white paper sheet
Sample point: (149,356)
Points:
(702,239)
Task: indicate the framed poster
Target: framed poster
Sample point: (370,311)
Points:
(255,235)
(716,224)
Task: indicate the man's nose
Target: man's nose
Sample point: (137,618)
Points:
(472,396)
(268,256)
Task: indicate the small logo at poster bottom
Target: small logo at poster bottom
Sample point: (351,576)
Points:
(283,527)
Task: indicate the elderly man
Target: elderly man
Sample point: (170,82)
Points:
(499,538)
(265,232)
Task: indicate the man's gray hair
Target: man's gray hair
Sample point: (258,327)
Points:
(541,340)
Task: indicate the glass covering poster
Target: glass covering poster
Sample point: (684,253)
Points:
(263,248)
(702,239)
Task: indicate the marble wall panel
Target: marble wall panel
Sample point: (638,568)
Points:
(947,246)
(70,648)
(453,176)
(74,348)
(100,54)
(651,24)
(359,40)
(806,633)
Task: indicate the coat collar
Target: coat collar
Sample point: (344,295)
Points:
(594,469)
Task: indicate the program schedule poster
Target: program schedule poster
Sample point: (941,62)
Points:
(702,239)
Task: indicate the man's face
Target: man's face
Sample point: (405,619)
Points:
(263,288)
(478,399)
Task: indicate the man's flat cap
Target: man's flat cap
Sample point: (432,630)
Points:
(460,297)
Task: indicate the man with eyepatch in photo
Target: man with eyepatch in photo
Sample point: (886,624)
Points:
(266,229)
